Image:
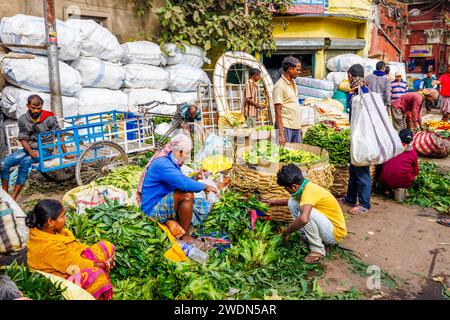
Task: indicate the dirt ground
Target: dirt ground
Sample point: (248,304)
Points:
(406,242)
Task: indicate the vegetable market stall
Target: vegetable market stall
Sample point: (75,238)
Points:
(337,142)
(256,171)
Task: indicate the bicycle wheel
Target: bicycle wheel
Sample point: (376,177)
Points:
(98,160)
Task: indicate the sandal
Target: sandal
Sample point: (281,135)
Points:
(444,221)
(204,246)
(313,257)
(358,210)
(342,201)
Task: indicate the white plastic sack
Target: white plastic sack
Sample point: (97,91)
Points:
(315,83)
(343,62)
(307,115)
(19,215)
(96,41)
(184,97)
(98,73)
(314,93)
(98,195)
(32,74)
(146,76)
(337,77)
(370,65)
(184,78)
(93,100)
(373,138)
(144,95)
(144,52)
(14,102)
(30,30)
(190,55)
(162,128)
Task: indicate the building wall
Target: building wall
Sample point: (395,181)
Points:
(430,28)
(343,19)
(119,15)
(389,31)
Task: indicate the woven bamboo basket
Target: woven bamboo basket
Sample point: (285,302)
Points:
(262,178)
(341,177)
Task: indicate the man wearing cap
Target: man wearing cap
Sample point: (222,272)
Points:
(399,87)
(411,103)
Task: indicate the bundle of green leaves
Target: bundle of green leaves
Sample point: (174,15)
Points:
(332,139)
(431,188)
(125,178)
(265,150)
(33,285)
(257,265)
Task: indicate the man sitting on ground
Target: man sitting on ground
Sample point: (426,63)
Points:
(316,212)
(165,193)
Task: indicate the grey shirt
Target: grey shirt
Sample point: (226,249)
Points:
(28,130)
(381,85)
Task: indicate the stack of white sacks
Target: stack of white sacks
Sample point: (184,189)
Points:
(314,88)
(339,65)
(97,73)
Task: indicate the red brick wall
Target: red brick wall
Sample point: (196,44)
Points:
(429,18)
(381,48)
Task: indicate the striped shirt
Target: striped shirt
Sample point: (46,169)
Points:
(398,89)
(250,91)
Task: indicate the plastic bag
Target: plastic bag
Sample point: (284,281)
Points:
(97,73)
(145,76)
(343,62)
(32,74)
(214,145)
(96,41)
(13,102)
(144,52)
(91,195)
(185,78)
(93,100)
(30,30)
(373,138)
(190,55)
(216,163)
(231,119)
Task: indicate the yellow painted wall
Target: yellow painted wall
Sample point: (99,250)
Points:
(353,22)
(324,27)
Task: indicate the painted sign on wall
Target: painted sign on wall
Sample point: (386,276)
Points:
(308,6)
(421,51)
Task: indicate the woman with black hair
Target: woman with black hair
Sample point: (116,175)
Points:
(54,249)
(360,182)
(402,170)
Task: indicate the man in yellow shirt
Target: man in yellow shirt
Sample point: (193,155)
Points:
(285,99)
(317,213)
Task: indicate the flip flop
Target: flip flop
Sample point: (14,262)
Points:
(444,221)
(317,256)
(204,246)
(358,210)
(342,201)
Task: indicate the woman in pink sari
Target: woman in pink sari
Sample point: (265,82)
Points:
(54,249)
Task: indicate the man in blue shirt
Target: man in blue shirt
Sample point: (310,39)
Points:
(165,193)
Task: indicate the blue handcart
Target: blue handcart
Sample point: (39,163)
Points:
(100,142)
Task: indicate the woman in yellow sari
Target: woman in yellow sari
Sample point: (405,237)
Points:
(54,249)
